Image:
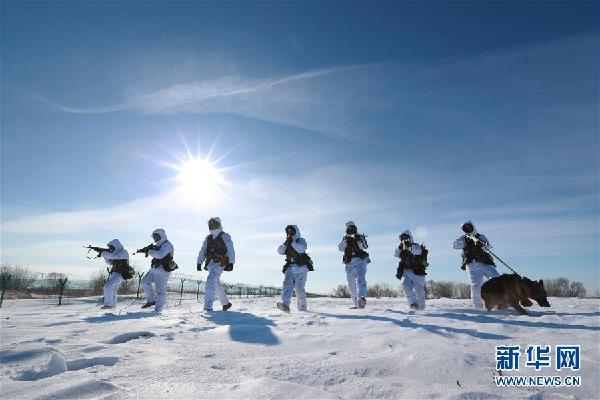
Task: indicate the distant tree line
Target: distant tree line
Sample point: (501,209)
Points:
(560,287)
(25,283)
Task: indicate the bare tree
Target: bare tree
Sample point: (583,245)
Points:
(97,281)
(440,289)
(20,277)
(341,291)
(562,287)
(463,291)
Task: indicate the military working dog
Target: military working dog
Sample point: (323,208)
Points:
(513,290)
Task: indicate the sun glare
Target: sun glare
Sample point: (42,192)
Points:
(198,177)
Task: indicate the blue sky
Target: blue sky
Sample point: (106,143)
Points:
(395,115)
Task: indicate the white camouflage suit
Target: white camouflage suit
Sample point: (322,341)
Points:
(295,275)
(356,271)
(213,284)
(114,278)
(157,275)
(413,284)
(478,272)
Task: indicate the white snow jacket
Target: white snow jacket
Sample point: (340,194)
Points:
(165,246)
(118,254)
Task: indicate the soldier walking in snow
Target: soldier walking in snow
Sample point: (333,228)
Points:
(218,255)
(162,264)
(297,265)
(355,258)
(478,262)
(413,261)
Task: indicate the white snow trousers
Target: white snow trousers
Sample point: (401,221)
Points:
(414,288)
(295,278)
(478,272)
(356,273)
(213,286)
(159,277)
(110,289)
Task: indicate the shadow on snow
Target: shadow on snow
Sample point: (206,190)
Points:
(437,329)
(119,317)
(245,327)
(484,318)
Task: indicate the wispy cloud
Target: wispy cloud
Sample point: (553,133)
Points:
(353,101)
(296,100)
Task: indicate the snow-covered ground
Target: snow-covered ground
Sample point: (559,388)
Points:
(255,351)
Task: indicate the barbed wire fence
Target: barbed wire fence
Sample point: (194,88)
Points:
(17,282)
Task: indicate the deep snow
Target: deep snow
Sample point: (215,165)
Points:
(256,351)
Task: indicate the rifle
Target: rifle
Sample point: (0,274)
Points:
(146,249)
(98,250)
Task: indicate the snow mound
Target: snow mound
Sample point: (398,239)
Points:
(58,365)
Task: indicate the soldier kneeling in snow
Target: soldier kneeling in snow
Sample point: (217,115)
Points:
(413,261)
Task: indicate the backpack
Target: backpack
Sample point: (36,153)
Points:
(128,272)
(122,267)
(421,259)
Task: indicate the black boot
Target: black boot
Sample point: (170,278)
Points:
(227,306)
(362,302)
(283,307)
(149,304)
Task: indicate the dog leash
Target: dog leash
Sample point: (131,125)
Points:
(499,259)
(492,253)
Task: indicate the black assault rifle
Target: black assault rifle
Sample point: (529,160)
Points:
(98,250)
(146,249)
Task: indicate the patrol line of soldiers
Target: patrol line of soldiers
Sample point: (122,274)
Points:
(218,255)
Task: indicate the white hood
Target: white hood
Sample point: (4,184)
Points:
(474,227)
(296,235)
(215,232)
(163,236)
(116,244)
(407,232)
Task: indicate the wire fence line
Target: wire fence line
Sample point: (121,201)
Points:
(17,282)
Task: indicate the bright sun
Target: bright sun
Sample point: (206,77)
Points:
(198,177)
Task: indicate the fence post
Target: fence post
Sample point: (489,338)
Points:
(5,281)
(140,276)
(181,291)
(198,290)
(63,283)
